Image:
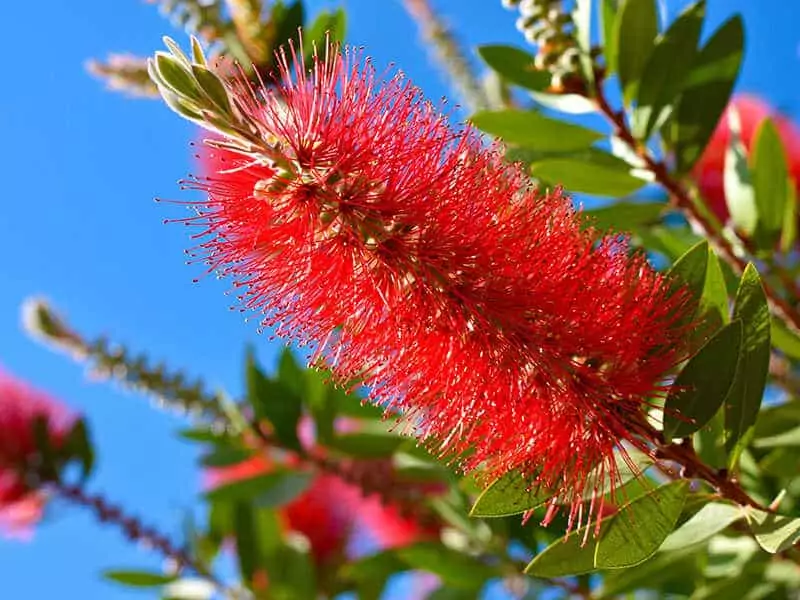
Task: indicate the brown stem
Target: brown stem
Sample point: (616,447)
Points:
(133,528)
(682,199)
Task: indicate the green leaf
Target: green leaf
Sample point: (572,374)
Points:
(703,384)
(770,174)
(511,494)
(138,578)
(785,340)
(706,523)
(670,572)
(627,538)
(515,65)
(667,68)
(625,216)
(608,14)
(274,401)
(707,91)
(592,172)
(225,456)
(213,87)
(177,77)
(635,31)
(790,216)
(573,104)
(714,302)
(532,130)
(78,447)
(744,401)
(690,269)
(737,179)
(331,23)
(786,438)
(287,21)
(453,568)
(247,551)
(367,445)
(271,489)
(774,533)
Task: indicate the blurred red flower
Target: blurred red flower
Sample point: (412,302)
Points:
(709,169)
(416,261)
(21,499)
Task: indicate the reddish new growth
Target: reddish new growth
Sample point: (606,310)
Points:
(21,499)
(415,260)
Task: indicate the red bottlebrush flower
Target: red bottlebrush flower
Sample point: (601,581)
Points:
(416,261)
(709,169)
(21,501)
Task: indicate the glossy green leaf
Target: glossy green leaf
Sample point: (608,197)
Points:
(274,401)
(666,71)
(669,572)
(774,533)
(366,445)
(286,20)
(689,270)
(625,216)
(177,77)
(714,302)
(453,568)
(770,173)
(608,16)
(594,173)
(626,538)
(532,130)
(635,31)
(706,523)
(737,179)
(707,91)
(704,383)
(271,489)
(511,494)
(332,24)
(515,65)
(138,578)
(212,87)
(744,401)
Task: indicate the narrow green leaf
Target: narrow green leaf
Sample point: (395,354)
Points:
(332,24)
(706,523)
(627,538)
(703,384)
(247,551)
(511,494)
(714,302)
(176,51)
(690,269)
(572,104)
(608,17)
(790,216)
(593,173)
(177,77)
(213,87)
(635,31)
(453,568)
(138,578)
(367,445)
(770,174)
(274,401)
(271,489)
(198,56)
(666,70)
(774,533)
(707,92)
(744,401)
(515,65)
(779,440)
(625,216)
(738,182)
(785,340)
(532,130)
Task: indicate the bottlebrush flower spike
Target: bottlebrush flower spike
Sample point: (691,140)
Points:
(21,499)
(414,260)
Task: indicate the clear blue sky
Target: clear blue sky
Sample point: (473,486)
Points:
(80,168)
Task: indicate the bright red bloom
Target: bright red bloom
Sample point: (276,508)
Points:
(21,501)
(709,169)
(416,261)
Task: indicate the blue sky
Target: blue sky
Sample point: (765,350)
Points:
(80,169)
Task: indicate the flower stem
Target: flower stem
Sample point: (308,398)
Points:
(683,200)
